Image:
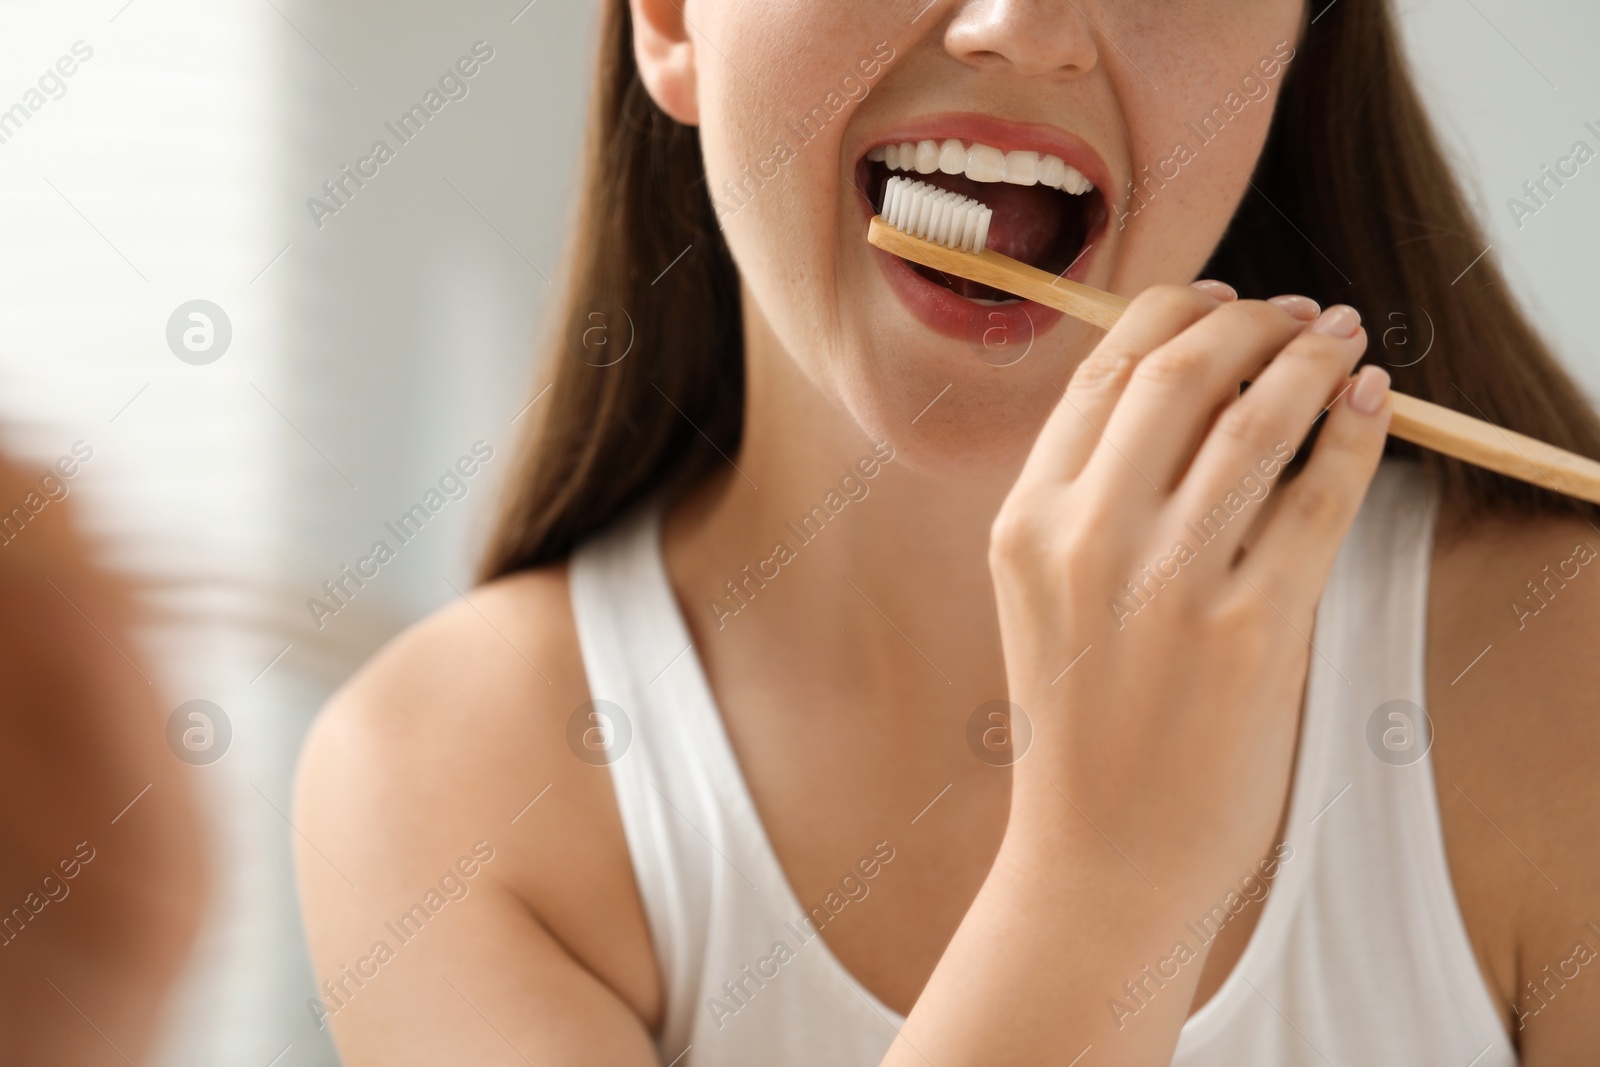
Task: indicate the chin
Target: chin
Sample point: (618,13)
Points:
(978,423)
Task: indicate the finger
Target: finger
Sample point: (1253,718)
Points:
(1220,291)
(1173,392)
(1259,432)
(1073,430)
(1291,559)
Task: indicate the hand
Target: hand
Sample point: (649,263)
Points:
(1123,542)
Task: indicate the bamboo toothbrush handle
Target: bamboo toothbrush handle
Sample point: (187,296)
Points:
(1485,445)
(1084,302)
(1417,421)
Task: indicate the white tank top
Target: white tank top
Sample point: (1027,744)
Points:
(1360,955)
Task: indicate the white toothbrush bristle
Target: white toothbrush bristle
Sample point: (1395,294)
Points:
(933,214)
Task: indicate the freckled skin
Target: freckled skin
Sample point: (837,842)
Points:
(847,708)
(799,243)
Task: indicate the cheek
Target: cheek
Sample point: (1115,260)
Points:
(1194,143)
(772,105)
(777,92)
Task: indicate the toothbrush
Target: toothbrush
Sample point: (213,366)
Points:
(946,231)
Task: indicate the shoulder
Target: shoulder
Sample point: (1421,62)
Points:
(454,738)
(1526,595)
(1513,621)
(464,692)
(1513,674)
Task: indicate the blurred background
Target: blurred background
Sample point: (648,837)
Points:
(345,355)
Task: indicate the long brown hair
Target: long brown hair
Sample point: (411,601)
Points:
(1352,200)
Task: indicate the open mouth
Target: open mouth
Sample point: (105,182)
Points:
(1046,213)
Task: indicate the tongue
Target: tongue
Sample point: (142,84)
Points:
(1027,220)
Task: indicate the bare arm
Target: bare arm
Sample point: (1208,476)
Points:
(1516,742)
(450,922)
(1160,762)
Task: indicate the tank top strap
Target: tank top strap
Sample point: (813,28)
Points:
(716,898)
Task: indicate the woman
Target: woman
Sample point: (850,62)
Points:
(842,674)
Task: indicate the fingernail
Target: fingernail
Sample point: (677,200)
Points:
(1370,390)
(1339,321)
(1215,289)
(1301,307)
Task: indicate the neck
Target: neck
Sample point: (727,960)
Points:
(821,547)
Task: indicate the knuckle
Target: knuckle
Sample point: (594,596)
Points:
(1172,364)
(1260,316)
(1330,354)
(1340,433)
(1028,537)
(1107,368)
(1246,617)
(1014,536)
(1247,424)
(1168,299)
(1080,533)
(1315,503)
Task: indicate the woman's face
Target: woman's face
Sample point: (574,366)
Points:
(1163,105)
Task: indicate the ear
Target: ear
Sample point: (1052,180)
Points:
(665,56)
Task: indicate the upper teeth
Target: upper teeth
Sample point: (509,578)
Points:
(982,163)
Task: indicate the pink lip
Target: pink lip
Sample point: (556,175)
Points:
(957,317)
(939,308)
